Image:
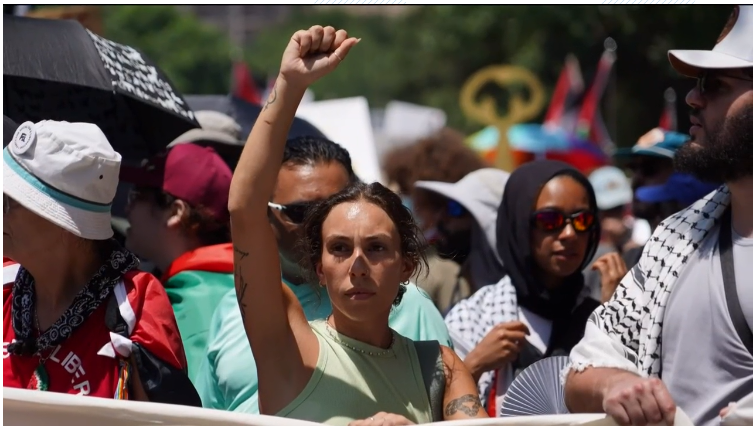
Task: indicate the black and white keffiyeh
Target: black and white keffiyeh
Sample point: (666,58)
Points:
(471,320)
(626,332)
(119,262)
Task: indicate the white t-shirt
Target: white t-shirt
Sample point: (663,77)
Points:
(705,363)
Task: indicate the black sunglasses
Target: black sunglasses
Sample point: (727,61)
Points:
(553,220)
(708,83)
(295,212)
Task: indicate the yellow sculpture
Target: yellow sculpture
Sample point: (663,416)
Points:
(484,109)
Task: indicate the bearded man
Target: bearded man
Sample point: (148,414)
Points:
(678,329)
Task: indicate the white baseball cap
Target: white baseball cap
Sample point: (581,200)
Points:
(611,186)
(66,173)
(733,50)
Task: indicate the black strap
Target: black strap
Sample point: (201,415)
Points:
(432,369)
(730,285)
(113,319)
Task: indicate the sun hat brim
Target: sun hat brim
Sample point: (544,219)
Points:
(79,222)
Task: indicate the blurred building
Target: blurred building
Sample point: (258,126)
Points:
(242,22)
(384,10)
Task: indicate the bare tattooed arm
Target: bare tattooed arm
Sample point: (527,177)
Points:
(469,405)
(284,347)
(461,399)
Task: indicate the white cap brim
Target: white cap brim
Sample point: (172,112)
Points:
(691,63)
(613,199)
(81,223)
(200,134)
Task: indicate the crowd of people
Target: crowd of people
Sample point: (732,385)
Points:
(284,285)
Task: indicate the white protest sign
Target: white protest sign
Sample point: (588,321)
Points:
(410,122)
(347,122)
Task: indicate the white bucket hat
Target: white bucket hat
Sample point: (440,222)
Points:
(480,192)
(733,50)
(66,173)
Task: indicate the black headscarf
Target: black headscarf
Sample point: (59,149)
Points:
(514,239)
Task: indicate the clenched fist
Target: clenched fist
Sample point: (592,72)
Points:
(313,53)
(640,401)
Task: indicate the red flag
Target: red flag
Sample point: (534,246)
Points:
(243,85)
(569,87)
(590,124)
(668,120)
(271,80)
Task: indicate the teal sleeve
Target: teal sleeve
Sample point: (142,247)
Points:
(419,319)
(206,376)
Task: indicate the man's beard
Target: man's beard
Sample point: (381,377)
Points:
(727,154)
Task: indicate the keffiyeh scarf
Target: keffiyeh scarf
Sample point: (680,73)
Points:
(471,320)
(625,333)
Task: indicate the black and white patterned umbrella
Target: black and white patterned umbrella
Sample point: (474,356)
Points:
(59,70)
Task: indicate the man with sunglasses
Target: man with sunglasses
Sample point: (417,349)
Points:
(312,170)
(678,331)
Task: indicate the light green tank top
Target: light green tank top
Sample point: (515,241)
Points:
(354,381)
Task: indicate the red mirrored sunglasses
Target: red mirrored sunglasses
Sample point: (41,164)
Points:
(551,220)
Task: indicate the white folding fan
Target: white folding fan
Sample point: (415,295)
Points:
(537,390)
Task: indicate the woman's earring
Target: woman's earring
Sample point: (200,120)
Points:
(405,283)
(322,285)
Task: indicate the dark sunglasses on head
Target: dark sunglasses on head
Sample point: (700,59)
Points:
(708,83)
(551,220)
(295,212)
(455,209)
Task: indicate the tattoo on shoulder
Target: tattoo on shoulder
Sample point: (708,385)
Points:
(467,404)
(272,98)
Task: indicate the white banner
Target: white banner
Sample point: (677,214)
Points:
(34,408)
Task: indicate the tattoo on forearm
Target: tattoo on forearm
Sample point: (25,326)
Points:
(272,97)
(240,253)
(468,404)
(240,283)
(240,289)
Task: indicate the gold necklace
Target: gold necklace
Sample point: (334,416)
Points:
(335,336)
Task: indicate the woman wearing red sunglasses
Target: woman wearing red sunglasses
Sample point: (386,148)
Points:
(547,232)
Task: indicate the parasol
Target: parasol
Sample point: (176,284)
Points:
(59,70)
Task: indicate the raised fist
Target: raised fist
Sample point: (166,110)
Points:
(314,53)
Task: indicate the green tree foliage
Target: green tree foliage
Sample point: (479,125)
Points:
(372,67)
(427,55)
(195,56)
